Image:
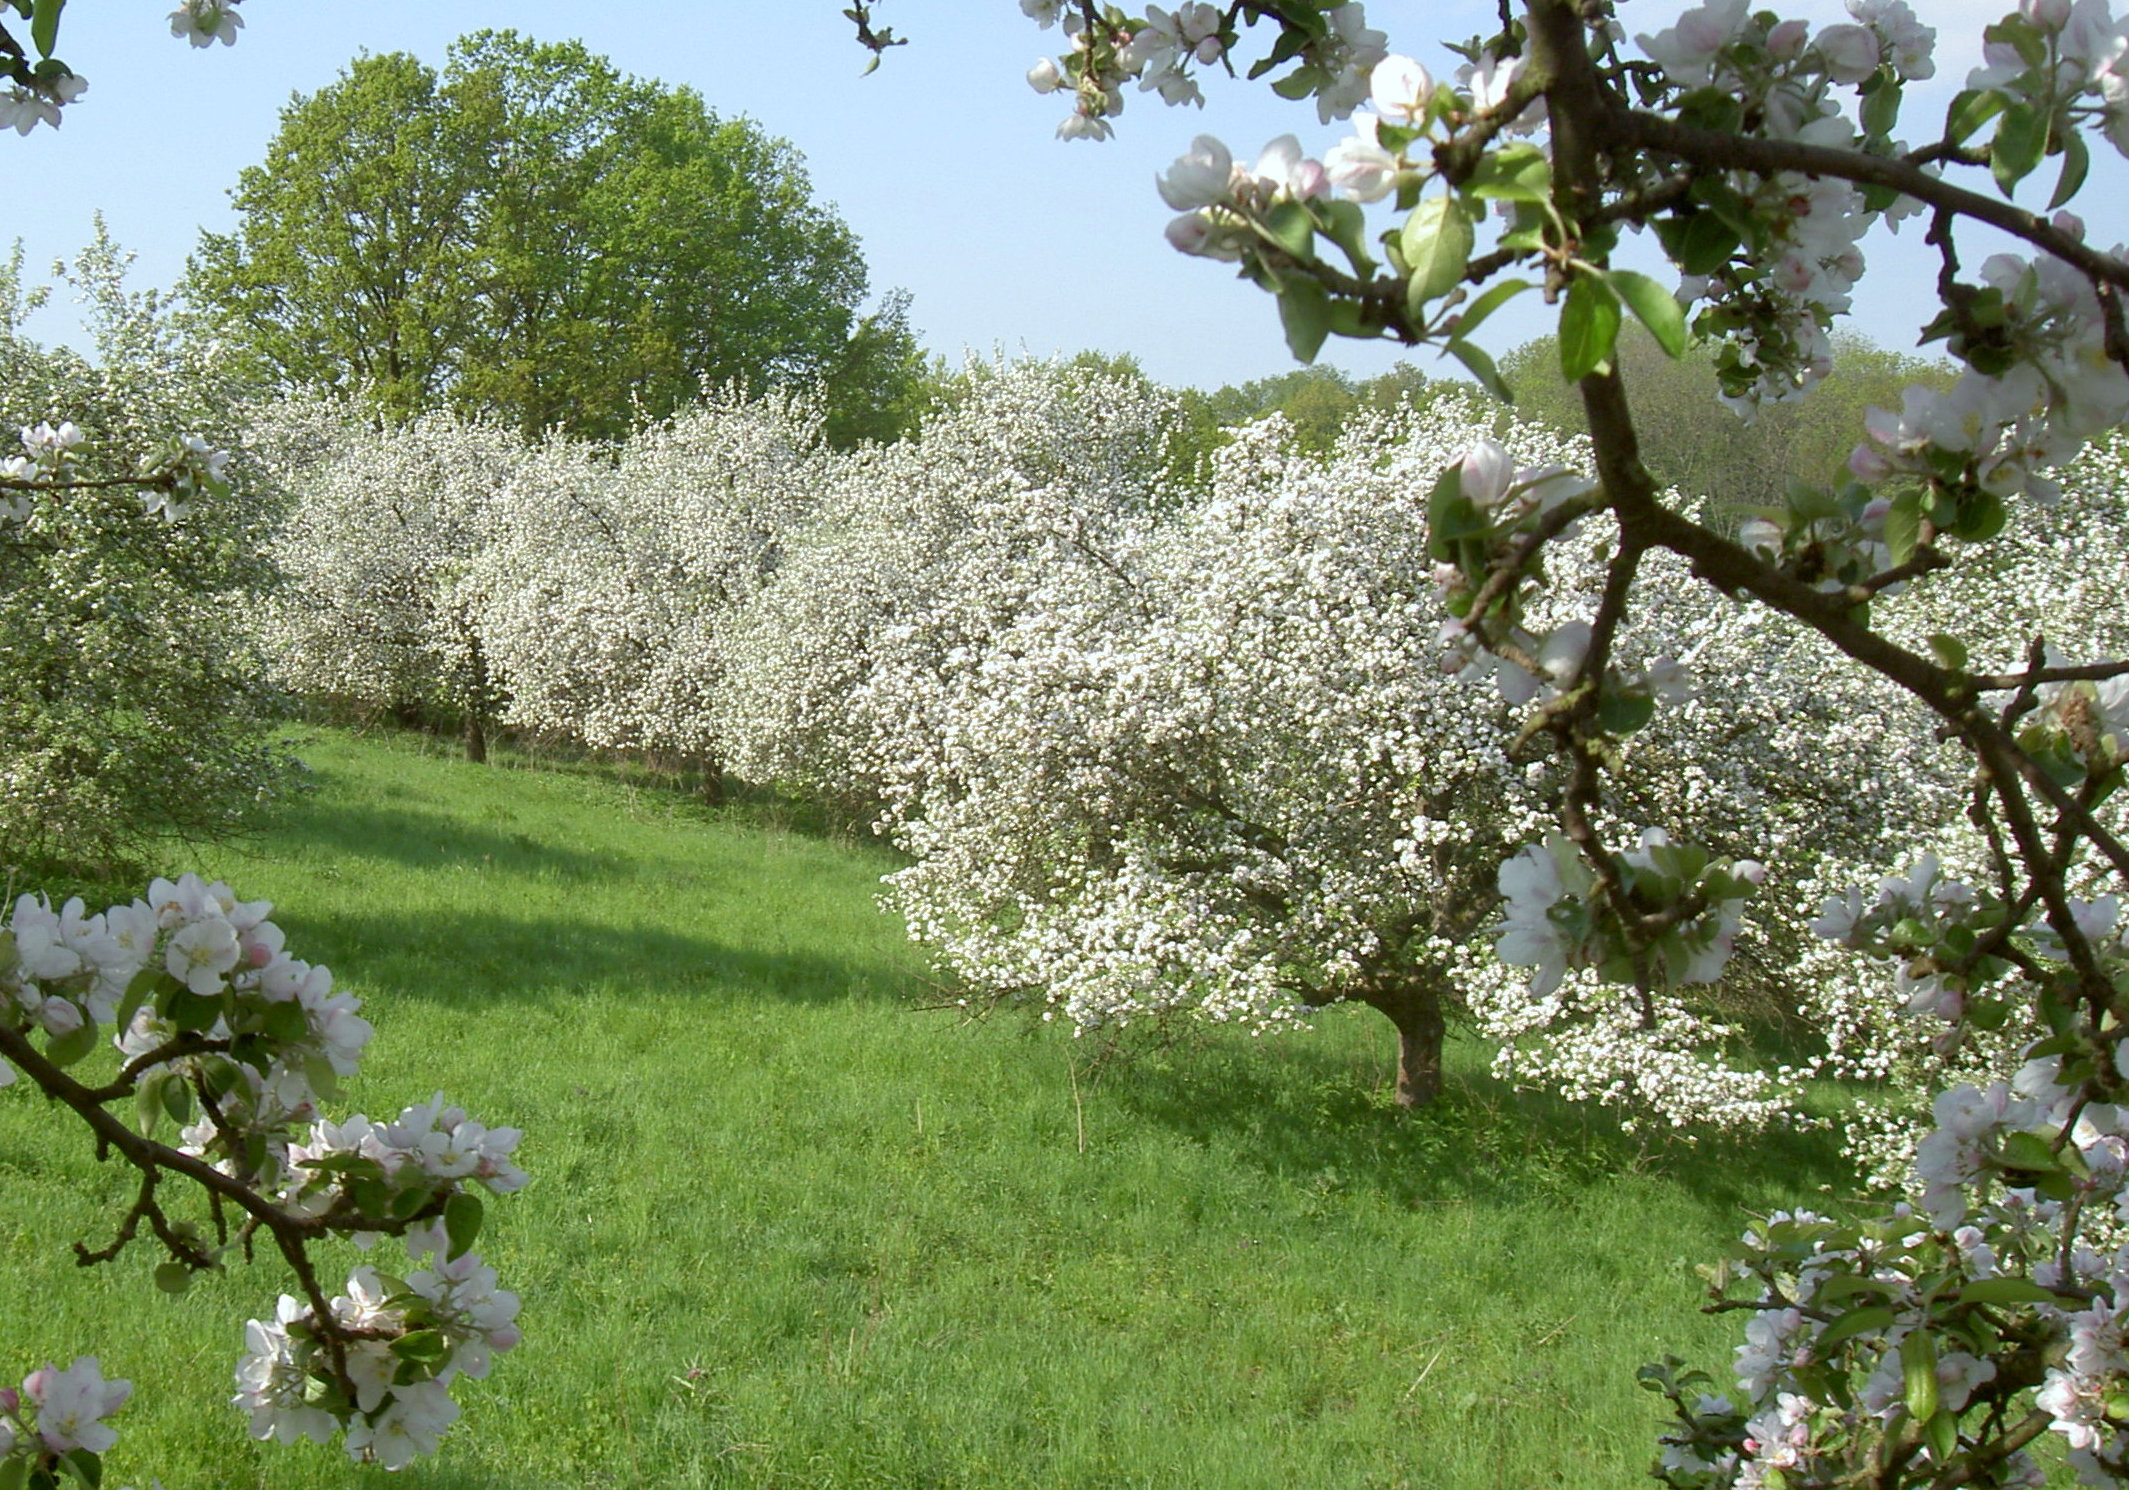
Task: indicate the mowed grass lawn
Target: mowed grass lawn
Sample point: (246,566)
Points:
(786,1228)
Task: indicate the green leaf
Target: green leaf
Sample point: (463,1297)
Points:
(1305,312)
(1480,364)
(191,1012)
(2028,1151)
(1437,241)
(1519,173)
(285,1022)
(1445,507)
(1727,203)
(2076,160)
(1654,307)
(173,1277)
(1980,517)
(83,1466)
(1948,650)
(462,1223)
(1469,319)
(2007,1291)
(1944,1435)
(1589,328)
(2021,140)
(2022,35)
(1903,526)
(65,1050)
(1918,1364)
(323,1079)
(1969,111)
(14,1473)
(44,25)
(1623,713)
(1346,225)
(1863,1321)
(1881,107)
(1706,244)
(1296,85)
(1290,226)
(145,982)
(422,1345)
(177,1100)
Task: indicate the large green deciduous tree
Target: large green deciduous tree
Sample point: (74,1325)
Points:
(534,235)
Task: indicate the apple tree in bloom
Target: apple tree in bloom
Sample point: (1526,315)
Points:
(607,583)
(131,708)
(920,549)
(378,547)
(1224,766)
(1935,1342)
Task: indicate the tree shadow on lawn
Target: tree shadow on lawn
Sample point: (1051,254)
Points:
(423,839)
(488,959)
(1317,1116)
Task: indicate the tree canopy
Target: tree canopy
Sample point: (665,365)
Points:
(533,235)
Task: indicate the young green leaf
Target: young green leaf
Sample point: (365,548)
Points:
(44,25)
(1589,328)
(2076,160)
(1437,241)
(1480,365)
(2021,140)
(462,1223)
(1468,320)
(1654,307)
(1305,312)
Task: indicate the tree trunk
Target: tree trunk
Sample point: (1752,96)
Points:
(1420,1029)
(478,702)
(713,780)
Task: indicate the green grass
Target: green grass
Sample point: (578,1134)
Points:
(786,1229)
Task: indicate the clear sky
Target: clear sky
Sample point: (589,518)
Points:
(943,160)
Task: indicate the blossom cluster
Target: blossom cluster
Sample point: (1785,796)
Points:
(399,1343)
(224,1030)
(39,94)
(1895,1342)
(1331,62)
(56,1421)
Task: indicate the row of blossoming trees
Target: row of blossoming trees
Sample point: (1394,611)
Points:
(1257,747)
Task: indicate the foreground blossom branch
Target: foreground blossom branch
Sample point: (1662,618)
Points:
(1935,1343)
(222,1031)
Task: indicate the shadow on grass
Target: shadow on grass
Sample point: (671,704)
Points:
(680,792)
(1319,1116)
(426,840)
(487,960)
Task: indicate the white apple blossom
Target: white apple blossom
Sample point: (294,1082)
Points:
(205,22)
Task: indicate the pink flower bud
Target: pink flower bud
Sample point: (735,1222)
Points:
(1785,43)
(1868,464)
(2048,15)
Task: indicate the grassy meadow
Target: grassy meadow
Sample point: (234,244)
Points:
(787,1228)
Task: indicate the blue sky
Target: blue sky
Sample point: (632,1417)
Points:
(943,160)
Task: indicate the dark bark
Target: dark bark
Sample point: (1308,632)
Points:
(1417,1013)
(479,701)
